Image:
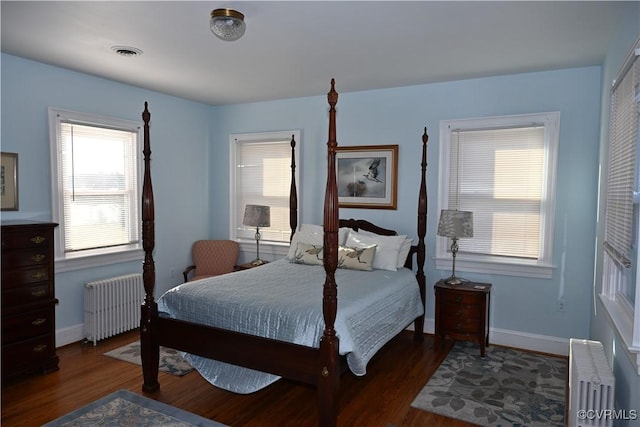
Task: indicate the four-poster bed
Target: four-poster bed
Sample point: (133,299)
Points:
(318,362)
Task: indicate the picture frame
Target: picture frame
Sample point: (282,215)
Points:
(367,176)
(9,181)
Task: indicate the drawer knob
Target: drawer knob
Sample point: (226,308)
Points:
(38,257)
(459,298)
(458,313)
(39,292)
(40,348)
(39,321)
(39,275)
(38,239)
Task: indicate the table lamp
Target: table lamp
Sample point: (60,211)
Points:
(257,216)
(455,224)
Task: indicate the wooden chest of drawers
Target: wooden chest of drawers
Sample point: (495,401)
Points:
(28,298)
(462,312)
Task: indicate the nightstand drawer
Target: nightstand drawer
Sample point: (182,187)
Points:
(461,297)
(462,326)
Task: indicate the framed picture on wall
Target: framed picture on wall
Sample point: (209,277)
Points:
(367,176)
(9,181)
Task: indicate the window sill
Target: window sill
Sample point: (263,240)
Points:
(623,324)
(489,266)
(98,259)
(270,250)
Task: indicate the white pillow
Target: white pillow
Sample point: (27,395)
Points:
(387,250)
(404,248)
(313,234)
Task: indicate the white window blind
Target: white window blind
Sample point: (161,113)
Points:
(621,167)
(99,186)
(263,177)
(498,174)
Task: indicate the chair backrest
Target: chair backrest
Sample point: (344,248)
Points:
(214,257)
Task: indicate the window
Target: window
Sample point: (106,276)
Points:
(262,176)
(622,212)
(95,188)
(502,169)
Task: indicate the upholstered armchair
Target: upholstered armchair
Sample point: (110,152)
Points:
(212,258)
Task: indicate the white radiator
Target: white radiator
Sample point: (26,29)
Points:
(112,306)
(591,385)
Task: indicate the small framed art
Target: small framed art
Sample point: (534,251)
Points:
(9,181)
(367,176)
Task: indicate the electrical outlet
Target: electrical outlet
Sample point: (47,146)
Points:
(562,305)
(172,273)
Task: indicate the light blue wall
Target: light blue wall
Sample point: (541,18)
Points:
(180,136)
(627,390)
(398,116)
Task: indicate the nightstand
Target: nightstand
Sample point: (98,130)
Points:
(246,266)
(462,312)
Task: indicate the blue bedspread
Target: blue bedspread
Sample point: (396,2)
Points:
(283,300)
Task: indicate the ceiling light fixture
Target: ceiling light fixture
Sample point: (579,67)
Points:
(227,24)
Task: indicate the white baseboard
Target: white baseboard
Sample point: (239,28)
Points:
(69,335)
(504,337)
(517,339)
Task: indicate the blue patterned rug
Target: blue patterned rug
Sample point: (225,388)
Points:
(171,361)
(505,388)
(124,408)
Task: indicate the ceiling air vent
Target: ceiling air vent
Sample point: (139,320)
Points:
(126,51)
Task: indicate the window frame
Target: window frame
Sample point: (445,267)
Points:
(249,245)
(89,258)
(487,264)
(623,314)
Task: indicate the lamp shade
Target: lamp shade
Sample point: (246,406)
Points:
(454,223)
(257,216)
(227,24)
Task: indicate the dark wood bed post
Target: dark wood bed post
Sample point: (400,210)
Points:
(422,231)
(329,367)
(150,351)
(293,192)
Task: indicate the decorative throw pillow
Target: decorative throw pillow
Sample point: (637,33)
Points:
(387,251)
(313,234)
(356,258)
(404,248)
(308,254)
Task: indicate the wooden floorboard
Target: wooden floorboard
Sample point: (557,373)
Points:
(381,398)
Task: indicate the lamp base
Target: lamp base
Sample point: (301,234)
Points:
(258,261)
(453,280)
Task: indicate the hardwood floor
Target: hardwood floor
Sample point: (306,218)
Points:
(380,398)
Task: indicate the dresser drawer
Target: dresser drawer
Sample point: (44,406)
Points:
(27,238)
(22,295)
(24,276)
(24,353)
(25,257)
(27,325)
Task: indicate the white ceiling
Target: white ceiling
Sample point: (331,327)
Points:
(294,48)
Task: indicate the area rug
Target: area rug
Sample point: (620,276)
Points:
(171,361)
(507,387)
(124,408)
